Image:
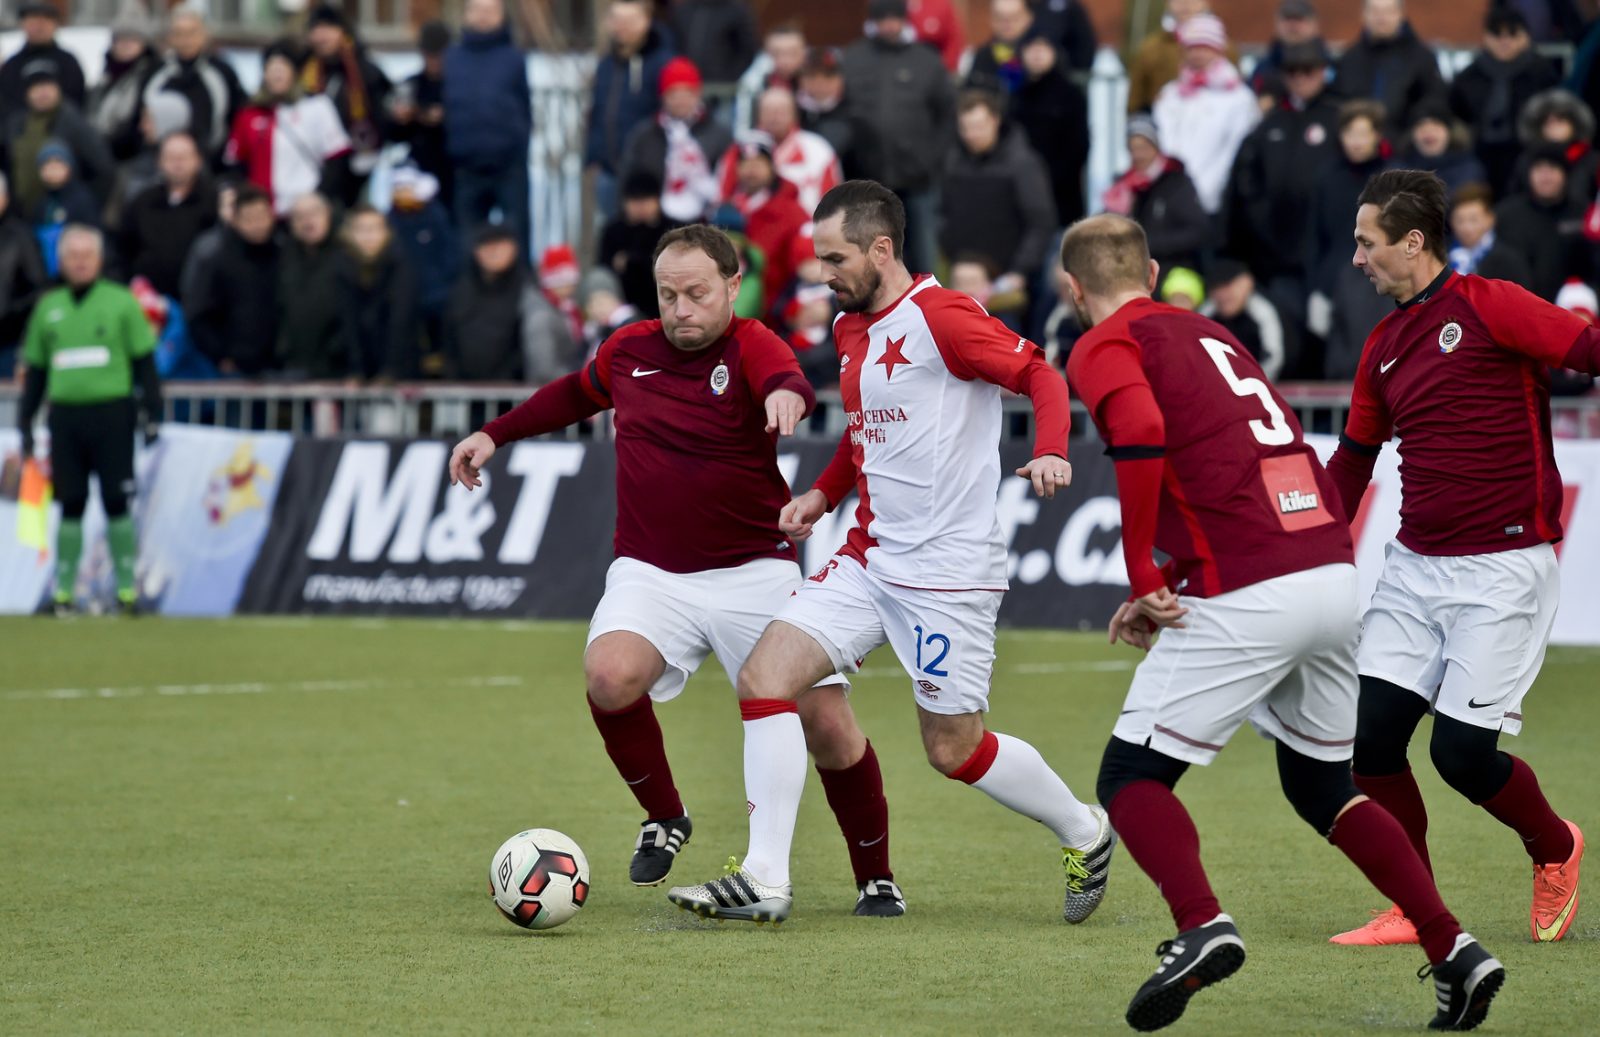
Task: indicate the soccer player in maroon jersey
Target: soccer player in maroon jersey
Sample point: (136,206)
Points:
(1257,611)
(700,562)
(1462,612)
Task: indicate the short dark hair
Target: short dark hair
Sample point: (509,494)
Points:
(1504,21)
(250,194)
(1409,200)
(709,240)
(1106,253)
(871,211)
(971,99)
(1363,108)
(1473,194)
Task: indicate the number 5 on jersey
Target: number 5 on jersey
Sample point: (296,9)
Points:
(1272,432)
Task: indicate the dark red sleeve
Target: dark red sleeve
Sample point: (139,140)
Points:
(770,364)
(1136,439)
(839,478)
(568,399)
(1366,429)
(1524,323)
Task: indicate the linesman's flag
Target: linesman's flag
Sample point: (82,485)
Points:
(33,508)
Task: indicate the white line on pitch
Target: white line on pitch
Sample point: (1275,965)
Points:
(253,688)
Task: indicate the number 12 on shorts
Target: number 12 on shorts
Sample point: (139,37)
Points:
(932,642)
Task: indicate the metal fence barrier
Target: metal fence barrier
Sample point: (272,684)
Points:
(334,410)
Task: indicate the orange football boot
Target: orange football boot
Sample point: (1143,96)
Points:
(1555,894)
(1387,929)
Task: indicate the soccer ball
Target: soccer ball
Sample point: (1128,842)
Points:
(539,878)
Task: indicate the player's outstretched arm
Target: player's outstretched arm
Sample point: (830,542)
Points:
(468,459)
(799,515)
(785,409)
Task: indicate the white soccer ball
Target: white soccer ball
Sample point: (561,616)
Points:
(539,878)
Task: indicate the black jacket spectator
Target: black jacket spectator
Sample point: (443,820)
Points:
(483,325)
(419,110)
(232,305)
(1401,71)
(378,300)
(1054,114)
(1488,96)
(159,229)
(997,205)
(1355,308)
(626,93)
(826,111)
(1066,24)
(68,73)
(212,89)
(719,36)
(117,101)
(22,274)
(1174,221)
(904,93)
(26,131)
(311,340)
(628,243)
(1558,117)
(1546,231)
(1273,180)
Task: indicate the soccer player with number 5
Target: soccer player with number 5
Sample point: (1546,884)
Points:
(1257,614)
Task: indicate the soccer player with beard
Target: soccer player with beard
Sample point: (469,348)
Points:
(921,372)
(1463,610)
(1259,610)
(700,397)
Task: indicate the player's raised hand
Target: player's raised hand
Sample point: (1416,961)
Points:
(1048,474)
(1161,608)
(798,516)
(468,458)
(1130,627)
(784,411)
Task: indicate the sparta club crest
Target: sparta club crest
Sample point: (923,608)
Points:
(1449,337)
(719,379)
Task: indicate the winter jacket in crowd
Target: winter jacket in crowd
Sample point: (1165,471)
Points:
(117,102)
(1162,199)
(1274,177)
(1401,71)
(1054,114)
(646,152)
(628,250)
(27,131)
(359,90)
(22,276)
(487,107)
(311,342)
(851,137)
(626,93)
(998,205)
(1260,329)
(429,151)
(719,36)
(1489,95)
(212,89)
(1455,168)
(902,90)
(1549,238)
(483,326)
(378,300)
(14,95)
(231,301)
(773,219)
(1583,161)
(1066,23)
(1353,308)
(157,233)
(427,239)
(1203,118)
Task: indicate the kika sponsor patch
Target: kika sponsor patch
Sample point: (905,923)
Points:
(1293,492)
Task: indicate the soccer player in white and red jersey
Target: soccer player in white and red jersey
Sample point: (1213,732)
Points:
(1462,612)
(700,397)
(921,373)
(1260,609)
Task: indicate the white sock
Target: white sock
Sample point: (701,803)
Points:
(774,778)
(1020,779)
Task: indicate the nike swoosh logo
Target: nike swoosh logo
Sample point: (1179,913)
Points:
(1547,933)
(874,842)
(640,374)
(1382,368)
(639,781)
(1475,704)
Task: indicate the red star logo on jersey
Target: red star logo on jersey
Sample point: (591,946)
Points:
(892,356)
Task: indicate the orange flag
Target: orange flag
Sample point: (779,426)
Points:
(33,508)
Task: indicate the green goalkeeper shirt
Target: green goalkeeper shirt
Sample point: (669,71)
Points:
(87,344)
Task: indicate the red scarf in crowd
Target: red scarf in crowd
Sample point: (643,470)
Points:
(1121,195)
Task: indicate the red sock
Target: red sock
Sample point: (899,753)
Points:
(1378,844)
(633,741)
(856,796)
(1161,838)
(1399,795)
(1521,806)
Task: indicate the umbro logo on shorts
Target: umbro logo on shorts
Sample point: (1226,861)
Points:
(929,689)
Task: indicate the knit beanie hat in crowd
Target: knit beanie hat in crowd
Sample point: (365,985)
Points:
(558,267)
(1141,125)
(1203,30)
(680,71)
(1579,298)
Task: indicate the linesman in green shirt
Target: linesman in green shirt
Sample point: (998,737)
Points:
(89,350)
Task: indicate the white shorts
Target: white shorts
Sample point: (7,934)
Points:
(944,639)
(1280,653)
(1465,632)
(686,616)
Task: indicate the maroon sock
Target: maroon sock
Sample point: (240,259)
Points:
(1160,836)
(1521,806)
(855,794)
(633,741)
(1399,795)
(1379,845)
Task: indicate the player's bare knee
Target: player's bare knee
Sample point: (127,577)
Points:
(613,683)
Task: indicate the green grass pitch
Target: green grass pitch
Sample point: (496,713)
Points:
(285,826)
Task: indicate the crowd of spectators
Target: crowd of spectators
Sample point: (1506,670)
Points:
(244,220)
